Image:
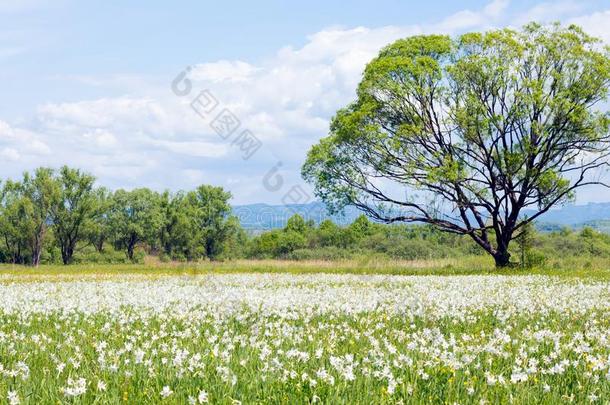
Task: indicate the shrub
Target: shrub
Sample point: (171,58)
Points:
(324,253)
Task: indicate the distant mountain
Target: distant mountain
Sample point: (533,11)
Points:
(257,217)
(263,216)
(574,215)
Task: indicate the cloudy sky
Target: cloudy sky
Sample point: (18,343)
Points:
(89,83)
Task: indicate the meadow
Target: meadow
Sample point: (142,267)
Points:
(308,332)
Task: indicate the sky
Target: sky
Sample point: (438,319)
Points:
(149,93)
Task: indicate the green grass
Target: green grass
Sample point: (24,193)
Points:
(581,267)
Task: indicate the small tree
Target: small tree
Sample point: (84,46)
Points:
(135,217)
(98,229)
(74,210)
(41,191)
(16,226)
(464,134)
(211,215)
(524,239)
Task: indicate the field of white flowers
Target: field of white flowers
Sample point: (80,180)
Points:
(319,338)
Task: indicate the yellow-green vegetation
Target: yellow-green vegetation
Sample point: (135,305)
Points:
(577,267)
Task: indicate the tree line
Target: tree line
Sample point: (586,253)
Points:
(60,216)
(61,211)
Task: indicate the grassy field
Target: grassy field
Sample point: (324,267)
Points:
(467,265)
(307,332)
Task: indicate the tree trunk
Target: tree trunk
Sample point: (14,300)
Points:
(131,246)
(37,249)
(99,244)
(502,258)
(66,254)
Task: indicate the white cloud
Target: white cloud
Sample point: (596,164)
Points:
(198,149)
(22,141)
(152,137)
(193,176)
(596,24)
(124,112)
(10,154)
(549,11)
(236,71)
(102,138)
(467,19)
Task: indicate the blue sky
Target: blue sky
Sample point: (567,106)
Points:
(87,83)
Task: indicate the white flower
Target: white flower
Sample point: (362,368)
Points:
(139,356)
(202,398)
(13,398)
(166,392)
(101,385)
(391,387)
(518,377)
(75,388)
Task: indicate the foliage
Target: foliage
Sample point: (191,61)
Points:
(301,241)
(73,211)
(134,217)
(42,193)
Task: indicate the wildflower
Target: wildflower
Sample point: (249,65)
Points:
(139,356)
(202,398)
(13,398)
(391,387)
(101,385)
(75,388)
(166,392)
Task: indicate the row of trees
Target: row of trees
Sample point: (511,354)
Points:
(65,209)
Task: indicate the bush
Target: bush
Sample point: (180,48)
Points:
(324,253)
(108,256)
(535,258)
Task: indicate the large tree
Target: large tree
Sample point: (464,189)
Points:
(197,223)
(466,133)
